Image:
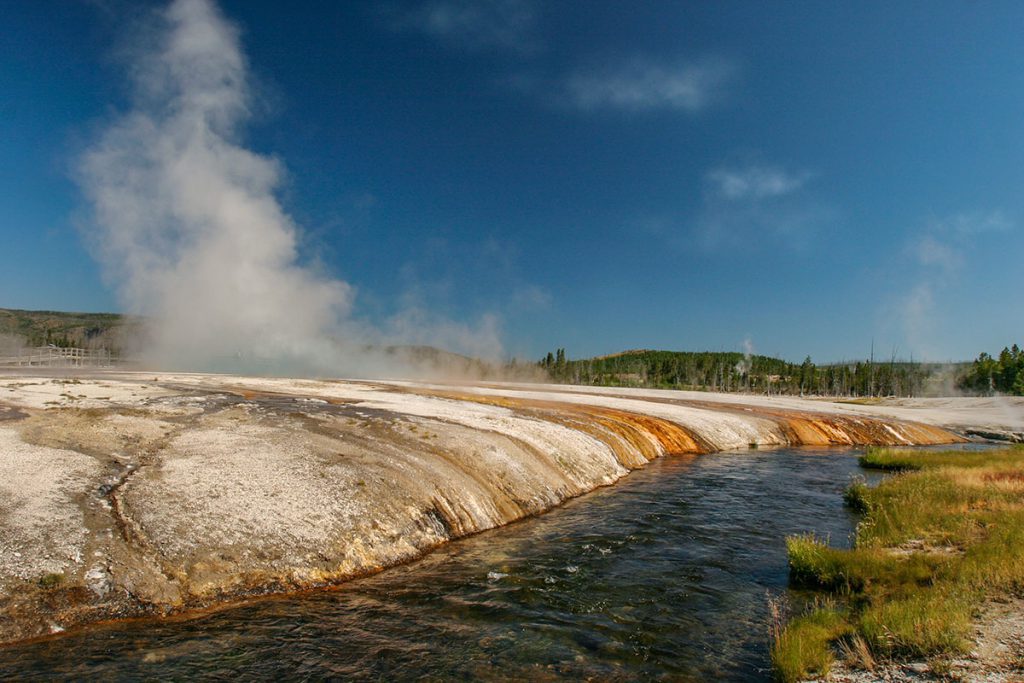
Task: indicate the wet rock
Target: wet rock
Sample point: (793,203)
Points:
(98,580)
(997,435)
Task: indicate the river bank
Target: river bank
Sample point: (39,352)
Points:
(130,494)
(995,654)
(932,585)
(662,576)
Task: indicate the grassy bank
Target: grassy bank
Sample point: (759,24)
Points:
(941,535)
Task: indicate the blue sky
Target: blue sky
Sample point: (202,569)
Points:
(596,176)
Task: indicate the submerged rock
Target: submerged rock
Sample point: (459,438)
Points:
(1004,435)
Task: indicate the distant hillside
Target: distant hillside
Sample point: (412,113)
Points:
(734,371)
(111,331)
(433,360)
(429,362)
(84,330)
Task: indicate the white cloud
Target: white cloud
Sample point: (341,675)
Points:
(748,207)
(756,182)
(473,24)
(944,243)
(511,25)
(530,297)
(643,86)
(754,204)
(931,252)
(940,252)
(971,223)
(730,225)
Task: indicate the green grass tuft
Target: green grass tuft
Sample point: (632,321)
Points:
(923,624)
(856,496)
(896,459)
(804,649)
(50,580)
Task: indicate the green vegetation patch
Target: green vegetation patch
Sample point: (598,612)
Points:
(941,534)
(1004,374)
(862,381)
(802,648)
(62,329)
(893,459)
(925,623)
(51,580)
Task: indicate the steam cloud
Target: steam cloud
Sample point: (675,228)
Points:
(743,366)
(189,229)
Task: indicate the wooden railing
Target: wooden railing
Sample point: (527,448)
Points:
(57,357)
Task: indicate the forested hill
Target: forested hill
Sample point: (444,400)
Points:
(41,328)
(733,371)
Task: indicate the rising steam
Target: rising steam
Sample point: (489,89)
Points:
(187,224)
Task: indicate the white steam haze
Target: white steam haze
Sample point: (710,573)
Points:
(11,344)
(744,366)
(937,258)
(188,227)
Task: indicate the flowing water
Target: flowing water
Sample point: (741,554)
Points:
(663,576)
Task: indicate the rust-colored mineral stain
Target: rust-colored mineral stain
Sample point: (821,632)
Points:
(816,429)
(642,432)
(649,437)
(811,428)
(673,438)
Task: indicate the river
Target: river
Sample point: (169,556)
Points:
(663,576)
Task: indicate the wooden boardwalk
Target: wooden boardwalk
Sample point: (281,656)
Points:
(57,357)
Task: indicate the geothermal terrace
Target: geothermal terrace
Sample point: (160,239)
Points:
(124,494)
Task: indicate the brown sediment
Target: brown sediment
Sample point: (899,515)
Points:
(8,413)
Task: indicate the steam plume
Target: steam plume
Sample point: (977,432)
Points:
(189,229)
(187,224)
(743,366)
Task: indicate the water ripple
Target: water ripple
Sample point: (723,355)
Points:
(661,577)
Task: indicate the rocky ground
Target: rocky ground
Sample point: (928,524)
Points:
(997,655)
(124,494)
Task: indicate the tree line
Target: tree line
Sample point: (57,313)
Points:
(733,371)
(988,375)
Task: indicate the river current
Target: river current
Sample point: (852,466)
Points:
(664,575)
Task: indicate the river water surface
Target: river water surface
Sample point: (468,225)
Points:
(663,576)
